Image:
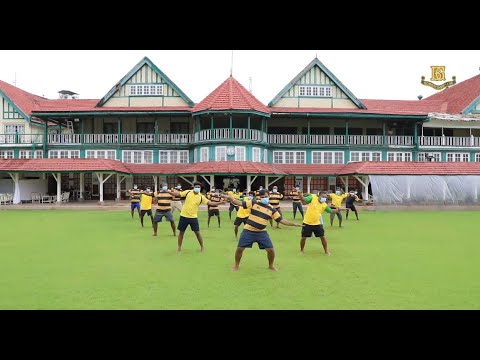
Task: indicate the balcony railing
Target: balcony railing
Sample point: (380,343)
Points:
(230,134)
(56,139)
(21,139)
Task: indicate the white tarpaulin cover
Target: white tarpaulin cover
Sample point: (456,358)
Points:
(425,189)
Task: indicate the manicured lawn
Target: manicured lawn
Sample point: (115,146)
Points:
(58,259)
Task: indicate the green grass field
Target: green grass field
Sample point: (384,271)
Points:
(59,259)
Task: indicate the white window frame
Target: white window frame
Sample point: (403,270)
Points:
(399,156)
(458,157)
(315,91)
(11,129)
(365,156)
(256,154)
(204,154)
(146,90)
(477,157)
(422,156)
(95,153)
(173,156)
(64,154)
(240,153)
(218,153)
(6,154)
(265,155)
(289,157)
(30,154)
(337,157)
(137,156)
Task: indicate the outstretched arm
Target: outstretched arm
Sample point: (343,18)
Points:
(231,200)
(289,223)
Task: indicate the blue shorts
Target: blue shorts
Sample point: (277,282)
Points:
(184,222)
(135,205)
(247,238)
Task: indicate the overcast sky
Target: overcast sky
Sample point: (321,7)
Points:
(368,74)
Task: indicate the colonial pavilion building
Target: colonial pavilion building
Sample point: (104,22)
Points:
(315,133)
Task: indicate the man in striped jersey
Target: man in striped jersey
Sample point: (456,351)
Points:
(164,209)
(255,228)
(242,213)
(213,195)
(135,200)
(275,198)
(296,203)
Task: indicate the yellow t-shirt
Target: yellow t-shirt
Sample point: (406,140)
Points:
(242,212)
(146,201)
(192,202)
(314,211)
(236,195)
(337,199)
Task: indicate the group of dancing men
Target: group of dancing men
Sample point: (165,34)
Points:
(254,209)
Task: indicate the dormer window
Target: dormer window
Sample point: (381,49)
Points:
(146,90)
(316,91)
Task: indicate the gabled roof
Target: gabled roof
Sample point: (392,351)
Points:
(62,165)
(232,167)
(323,68)
(233,97)
(144,61)
(459,97)
(411,168)
(23,102)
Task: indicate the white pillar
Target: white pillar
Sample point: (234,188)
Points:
(59,187)
(266,183)
(249,183)
(100,185)
(155,184)
(212,181)
(309,180)
(16,188)
(82,186)
(118,188)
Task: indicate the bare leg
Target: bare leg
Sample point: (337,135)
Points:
(174,228)
(346,213)
(155,226)
(180,240)
(356,214)
(278,224)
(132,212)
(340,218)
(301,210)
(230,214)
(218,217)
(325,246)
(238,257)
(271,222)
(141,219)
(303,240)
(294,211)
(208,222)
(200,240)
(235,229)
(271,258)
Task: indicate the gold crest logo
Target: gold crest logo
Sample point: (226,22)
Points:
(438,74)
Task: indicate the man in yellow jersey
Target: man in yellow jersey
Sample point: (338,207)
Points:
(242,213)
(275,198)
(146,200)
(214,195)
(189,213)
(134,200)
(177,201)
(337,199)
(164,209)
(311,221)
(296,202)
(255,228)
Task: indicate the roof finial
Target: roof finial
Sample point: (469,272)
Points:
(316,55)
(231,65)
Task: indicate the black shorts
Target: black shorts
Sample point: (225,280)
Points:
(247,238)
(184,222)
(308,230)
(239,220)
(351,207)
(214,212)
(233,207)
(148,212)
(160,214)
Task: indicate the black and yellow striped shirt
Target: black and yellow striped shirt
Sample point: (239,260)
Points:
(260,215)
(213,197)
(164,201)
(295,195)
(134,195)
(275,199)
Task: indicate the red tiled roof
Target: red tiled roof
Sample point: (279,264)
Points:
(84,105)
(62,165)
(311,169)
(458,96)
(232,167)
(231,95)
(25,101)
(155,168)
(411,168)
